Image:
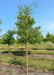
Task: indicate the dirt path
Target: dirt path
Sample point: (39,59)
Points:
(42,56)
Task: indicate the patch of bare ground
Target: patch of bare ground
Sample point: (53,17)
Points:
(42,56)
(6,69)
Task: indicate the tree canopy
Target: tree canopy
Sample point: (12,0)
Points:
(24,22)
(35,35)
(8,38)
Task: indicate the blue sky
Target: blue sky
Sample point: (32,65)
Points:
(44,14)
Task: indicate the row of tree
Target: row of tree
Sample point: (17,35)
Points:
(35,36)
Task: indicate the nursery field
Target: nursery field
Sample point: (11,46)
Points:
(35,64)
(42,46)
(26,37)
(13,60)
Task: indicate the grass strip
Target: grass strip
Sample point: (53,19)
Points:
(30,52)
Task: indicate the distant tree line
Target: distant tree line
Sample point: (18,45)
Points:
(35,36)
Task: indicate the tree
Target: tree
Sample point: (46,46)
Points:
(49,37)
(24,23)
(52,39)
(17,41)
(8,38)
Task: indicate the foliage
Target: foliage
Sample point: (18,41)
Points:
(52,39)
(48,37)
(24,22)
(35,35)
(8,38)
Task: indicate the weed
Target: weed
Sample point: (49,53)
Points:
(10,72)
(1,69)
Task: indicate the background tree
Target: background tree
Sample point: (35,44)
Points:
(49,37)
(17,41)
(8,37)
(24,23)
(52,39)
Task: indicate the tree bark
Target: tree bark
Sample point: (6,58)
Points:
(27,58)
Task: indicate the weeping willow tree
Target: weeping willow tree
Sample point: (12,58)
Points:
(24,23)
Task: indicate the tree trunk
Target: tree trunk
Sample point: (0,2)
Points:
(27,58)
(9,49)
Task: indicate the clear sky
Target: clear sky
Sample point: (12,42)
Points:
(44,14)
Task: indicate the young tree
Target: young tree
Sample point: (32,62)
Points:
(24,23)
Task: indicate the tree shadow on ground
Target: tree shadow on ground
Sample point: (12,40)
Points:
(19,53)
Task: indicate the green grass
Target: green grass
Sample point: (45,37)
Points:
(30,52)
(10,72)
(42,52)
(41,63)
(44,64)
(1,69)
